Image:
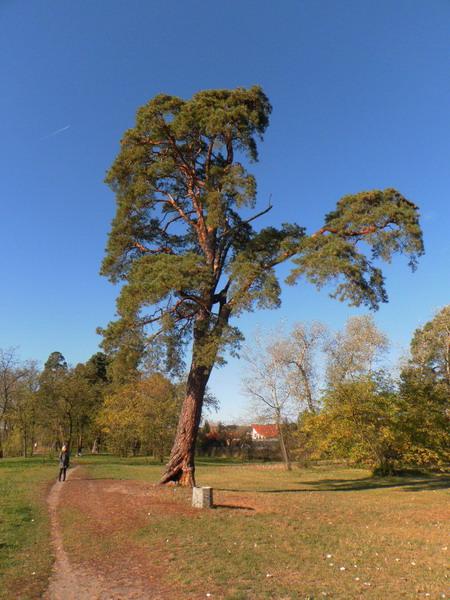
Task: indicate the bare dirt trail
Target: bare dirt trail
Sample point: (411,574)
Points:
(108,509)
(96,535)
(64,582)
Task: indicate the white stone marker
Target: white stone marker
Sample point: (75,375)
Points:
(202,497)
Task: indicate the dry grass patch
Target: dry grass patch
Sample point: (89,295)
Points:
(315,533)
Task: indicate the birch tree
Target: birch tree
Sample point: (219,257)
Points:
(270,384)
(301,350)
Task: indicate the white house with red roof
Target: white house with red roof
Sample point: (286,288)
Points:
(264,432)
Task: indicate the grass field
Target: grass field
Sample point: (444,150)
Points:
(25,555)
(323,532)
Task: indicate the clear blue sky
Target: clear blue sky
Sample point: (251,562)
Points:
(360,91)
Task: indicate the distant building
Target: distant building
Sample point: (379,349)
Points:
(264,432)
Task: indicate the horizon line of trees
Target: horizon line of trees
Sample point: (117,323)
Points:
(82,407)
(357,411)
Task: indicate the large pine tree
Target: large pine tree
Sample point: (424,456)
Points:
(190,260)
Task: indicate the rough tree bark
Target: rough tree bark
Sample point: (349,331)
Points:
(180,468)
(206,341)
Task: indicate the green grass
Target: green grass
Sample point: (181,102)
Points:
(25,555)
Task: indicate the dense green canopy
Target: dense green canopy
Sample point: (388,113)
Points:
(180,243)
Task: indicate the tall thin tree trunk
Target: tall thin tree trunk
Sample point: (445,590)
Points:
(68,442)
(180,468)
(284,452)
(95,445)
(2,435)
(25,440)
(309,400)
(32,435)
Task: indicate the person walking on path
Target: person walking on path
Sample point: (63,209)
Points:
(63,463)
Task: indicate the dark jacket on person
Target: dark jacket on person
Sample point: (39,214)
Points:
(64,460)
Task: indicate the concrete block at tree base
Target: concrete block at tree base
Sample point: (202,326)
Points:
(202,497)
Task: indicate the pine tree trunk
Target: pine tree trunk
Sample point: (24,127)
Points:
(180,468)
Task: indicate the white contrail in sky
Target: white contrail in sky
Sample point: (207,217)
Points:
(56,132)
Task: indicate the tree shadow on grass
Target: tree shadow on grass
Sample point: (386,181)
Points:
(407,484)
(75,479)
(372,483)
(422,483)
(233,507)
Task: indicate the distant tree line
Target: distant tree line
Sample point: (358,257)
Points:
(84,407)
(360,409)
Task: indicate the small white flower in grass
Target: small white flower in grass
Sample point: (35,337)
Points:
(341,568)
(208,595)
(356,578)
(269,575)
(412,562)
(33,573)
(331,564)
(367,583)
(329,555)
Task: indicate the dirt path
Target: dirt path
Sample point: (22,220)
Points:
(97,527)
(103,565)
(64,582)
